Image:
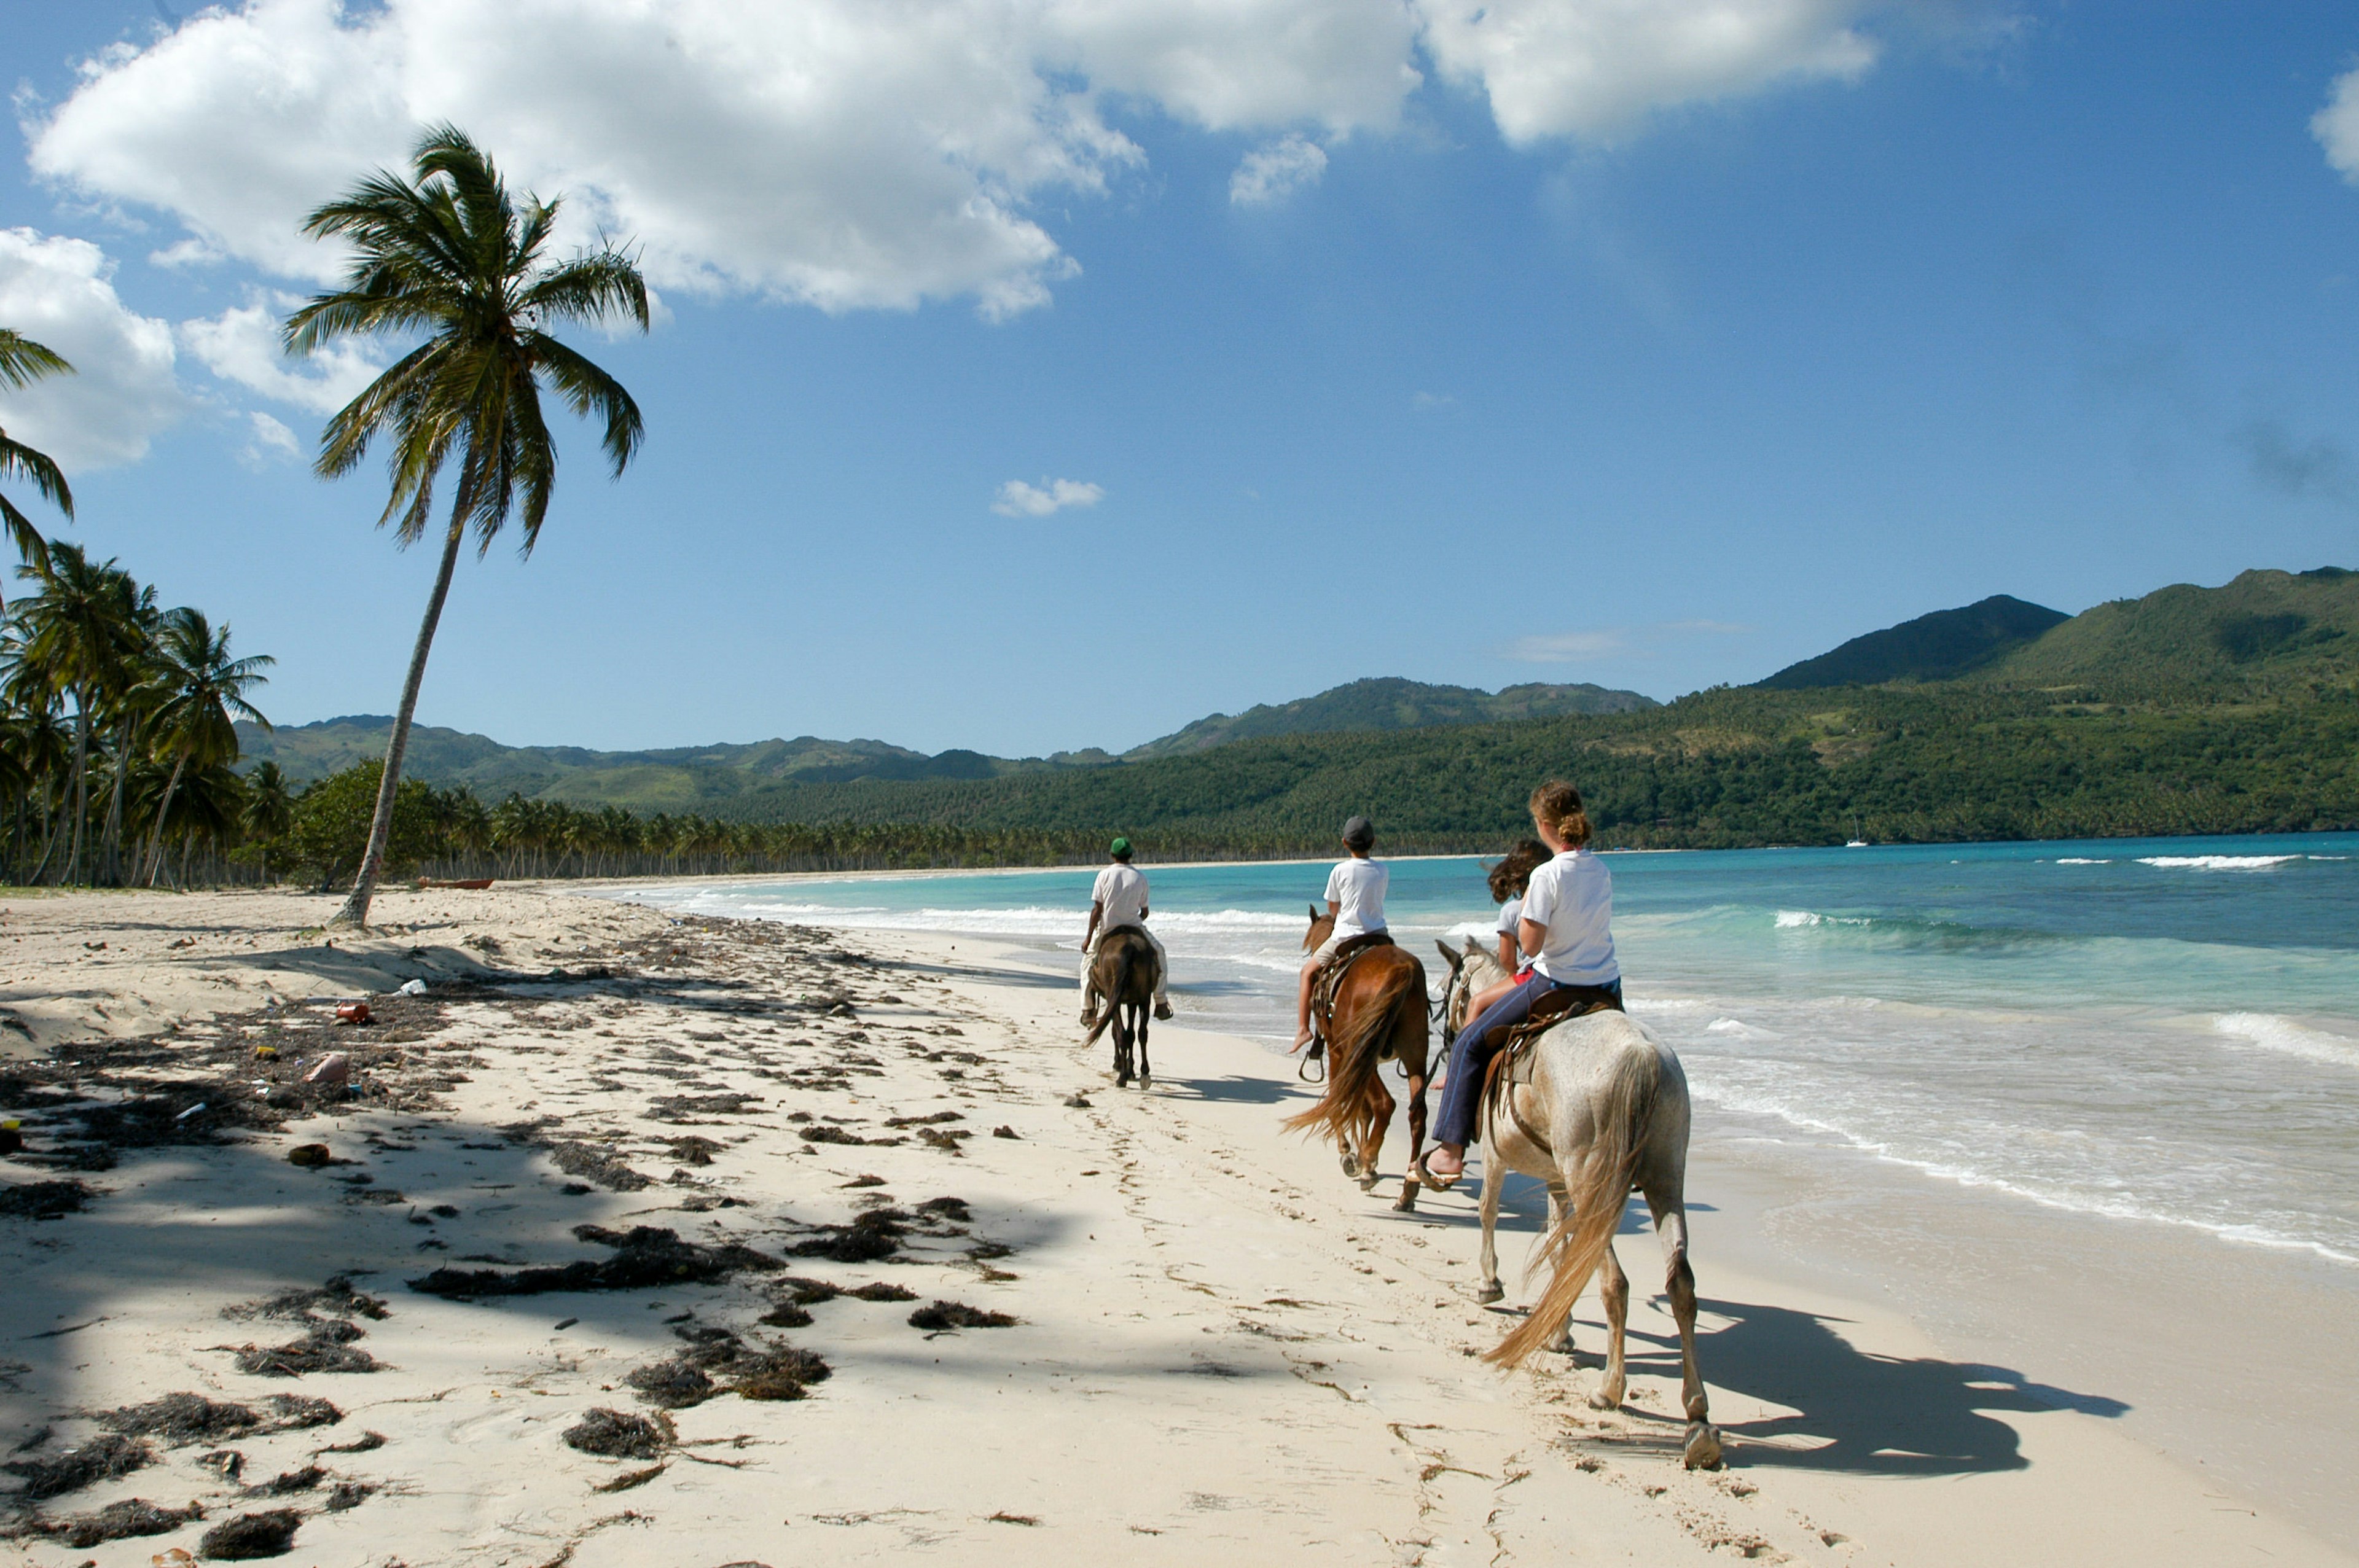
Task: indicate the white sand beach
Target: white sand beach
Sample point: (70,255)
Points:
(1220,1350)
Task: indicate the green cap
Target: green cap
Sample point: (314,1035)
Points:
(1120,846)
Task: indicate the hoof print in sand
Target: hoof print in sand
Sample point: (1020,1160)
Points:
(249,1536)
(945,1316)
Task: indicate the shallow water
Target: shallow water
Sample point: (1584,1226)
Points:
(2155,1030)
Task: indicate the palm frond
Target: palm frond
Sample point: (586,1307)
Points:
(24,361)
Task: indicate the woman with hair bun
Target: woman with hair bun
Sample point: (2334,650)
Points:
(1566,927)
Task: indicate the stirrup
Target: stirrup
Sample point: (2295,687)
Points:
(1314,1052)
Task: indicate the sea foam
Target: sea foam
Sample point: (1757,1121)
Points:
(2271,1032)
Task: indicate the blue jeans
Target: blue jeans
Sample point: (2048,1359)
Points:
(1462,1099)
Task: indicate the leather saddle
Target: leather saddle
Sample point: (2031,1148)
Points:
(1511,1060)
(1330,979)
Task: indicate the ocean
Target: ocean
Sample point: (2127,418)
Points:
(2149,1032)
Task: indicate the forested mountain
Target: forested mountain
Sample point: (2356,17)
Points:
(2266,626)
(1389,703)
(1940,646)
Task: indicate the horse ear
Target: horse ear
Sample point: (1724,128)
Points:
(1473,946)
(1451,955)
(1314,911)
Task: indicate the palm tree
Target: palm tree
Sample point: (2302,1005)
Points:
(80,631)
(268,810)
(450,256)
(22,362)
(196,687)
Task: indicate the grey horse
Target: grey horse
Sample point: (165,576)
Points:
(1601,1111)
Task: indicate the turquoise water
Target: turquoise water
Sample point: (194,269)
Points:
(2160,1030)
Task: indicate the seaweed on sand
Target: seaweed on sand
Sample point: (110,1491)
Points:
(102,1458)
(248,1536)
(613,1434)
(326,1348)
(43,1200)
(957,1314)
(644,1256)
(870,1236)
(755,1371)
(115,1521)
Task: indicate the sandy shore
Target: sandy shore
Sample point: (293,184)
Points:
(1220,1350)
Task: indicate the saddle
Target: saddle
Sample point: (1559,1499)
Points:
(1330,980)
(1511,1062)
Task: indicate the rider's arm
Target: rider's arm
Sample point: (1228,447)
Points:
(1509,959)
(1097,912)
(1532,935)
(1333,909)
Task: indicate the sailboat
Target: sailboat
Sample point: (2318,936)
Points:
(1858,836)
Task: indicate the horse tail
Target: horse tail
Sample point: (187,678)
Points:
(1593,1201)
(1355,1082)
(1109,999)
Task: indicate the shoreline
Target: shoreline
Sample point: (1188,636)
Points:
(1221,1346)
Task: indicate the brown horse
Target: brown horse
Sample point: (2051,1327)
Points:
(1378,1015)
(1124,975)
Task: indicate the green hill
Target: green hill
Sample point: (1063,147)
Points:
(2265,626)
(1940,646)
(1389,703)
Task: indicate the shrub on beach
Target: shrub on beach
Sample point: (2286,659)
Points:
(332,825)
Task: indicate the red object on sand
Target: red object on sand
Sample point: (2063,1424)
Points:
(469,884)
(353,1011)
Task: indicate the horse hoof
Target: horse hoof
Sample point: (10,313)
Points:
(1145,1082)
(1368,1182)
(1494,1292)
(1609,1398)
(1350,1163)
(1703,1447)
(1406,1202)
(1122,1080)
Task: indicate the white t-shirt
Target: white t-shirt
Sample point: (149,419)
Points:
(1120,892)
(1509,913)
(1572,895)
(1356,888)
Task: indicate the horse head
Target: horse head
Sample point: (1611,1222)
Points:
(1322,926)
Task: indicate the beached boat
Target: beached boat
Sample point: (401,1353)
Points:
(471,885)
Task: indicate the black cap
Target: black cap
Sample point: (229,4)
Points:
(1360,833)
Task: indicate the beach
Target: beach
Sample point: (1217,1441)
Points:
(1216,1346)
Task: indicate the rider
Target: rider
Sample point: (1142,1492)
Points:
(1567,926)
(1508,879)
(1355,898)
(1118,899)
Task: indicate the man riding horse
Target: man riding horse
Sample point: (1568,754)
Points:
(1355,901)
(1118,903)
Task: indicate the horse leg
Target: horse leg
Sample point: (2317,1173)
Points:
(1146,1076)
(1559,1221)
(1614,1287)
(1702,1446)
(1371,1140)
(1121,1046)
(1494,1177)
(1416,1092)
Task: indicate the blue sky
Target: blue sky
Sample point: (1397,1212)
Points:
(1366,339)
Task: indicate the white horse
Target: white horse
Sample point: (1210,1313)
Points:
(1601,1111)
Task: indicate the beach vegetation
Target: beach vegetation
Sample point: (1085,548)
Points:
(451,259)
(22,362)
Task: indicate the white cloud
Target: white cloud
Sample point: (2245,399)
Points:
(1596,67)
(1564,647)
(1272,173)
(241,345)
(844,153)
(2336,126)
(55,291)
(1018,499)
(271,441)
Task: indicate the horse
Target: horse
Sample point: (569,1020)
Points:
(1605,1113)
(1124,976)
(1377,1014)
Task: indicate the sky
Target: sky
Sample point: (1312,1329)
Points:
(1036,374)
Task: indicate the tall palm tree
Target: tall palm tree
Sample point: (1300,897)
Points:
(196,688)
(450,256)
(79,632)
(22,362)
(268,810)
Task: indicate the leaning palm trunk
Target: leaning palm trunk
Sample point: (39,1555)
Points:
(153,860)
(356,907)
(72,867)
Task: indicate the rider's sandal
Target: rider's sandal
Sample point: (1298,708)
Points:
(1427,1177)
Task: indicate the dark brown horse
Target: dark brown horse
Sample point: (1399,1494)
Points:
(1124,975)
(1378,1015)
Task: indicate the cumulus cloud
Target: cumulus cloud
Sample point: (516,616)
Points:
(55,291)
(1595,68)
(2336,126)
(1018,499)
(842,153)
(1272,173)
(241,345)
(268,441)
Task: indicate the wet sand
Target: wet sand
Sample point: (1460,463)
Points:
(1220,1348)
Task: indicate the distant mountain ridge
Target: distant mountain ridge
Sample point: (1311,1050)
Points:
(2262,625)
(698,778)
(1390,703)
(1941,646)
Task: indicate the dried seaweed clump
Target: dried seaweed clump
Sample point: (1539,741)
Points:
(115,1521)
(613,1434)
(43,1200)
(644,1256)
(871,1236)
(248,1536)
(957,1314)
(103,1458)
(754,1371)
